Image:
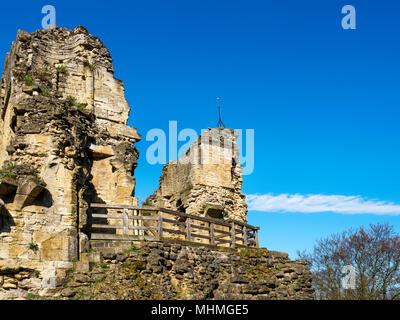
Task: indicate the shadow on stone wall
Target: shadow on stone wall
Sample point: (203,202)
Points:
(6,220)
(44,199)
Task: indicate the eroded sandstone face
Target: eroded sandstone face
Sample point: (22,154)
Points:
(207,180)
(64,144)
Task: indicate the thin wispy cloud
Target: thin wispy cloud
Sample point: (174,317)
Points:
(312,203)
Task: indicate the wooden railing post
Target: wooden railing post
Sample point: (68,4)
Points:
(137,223)
(256,237)
(245,241)
(212,238)
(125,221)
(160,225)
(188,230)
(134,222)
(233,235)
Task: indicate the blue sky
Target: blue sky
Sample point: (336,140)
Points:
(323,101)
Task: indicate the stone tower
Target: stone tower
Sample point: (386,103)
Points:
(207,180)
(64,144)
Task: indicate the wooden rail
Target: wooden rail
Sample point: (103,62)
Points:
(124,222)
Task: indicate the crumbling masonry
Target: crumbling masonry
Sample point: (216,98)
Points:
(206,180)
(64,144)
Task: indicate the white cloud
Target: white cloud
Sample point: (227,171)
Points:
(320,203)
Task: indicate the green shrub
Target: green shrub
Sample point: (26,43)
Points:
(132,249)
(62,68)
(90,66)
(44,92)
(8,172)
(39,180)
(28,80)
(73,102)
(29,296)
(33,246)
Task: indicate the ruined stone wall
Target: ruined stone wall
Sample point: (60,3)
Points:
(64,144)
(171,271)
(207,180)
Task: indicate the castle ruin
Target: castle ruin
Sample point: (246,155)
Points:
(65,145)
(206,180)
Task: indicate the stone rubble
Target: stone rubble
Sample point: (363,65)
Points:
(170,271)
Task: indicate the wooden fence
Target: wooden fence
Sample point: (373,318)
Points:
(123,222)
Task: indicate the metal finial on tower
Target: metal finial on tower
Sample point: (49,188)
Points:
(220,123)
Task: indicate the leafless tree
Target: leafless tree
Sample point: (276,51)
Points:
(374,253)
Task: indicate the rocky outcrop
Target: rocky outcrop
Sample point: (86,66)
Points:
(65,144)
(207,180)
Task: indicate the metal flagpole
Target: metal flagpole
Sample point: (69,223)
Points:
(220,123)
